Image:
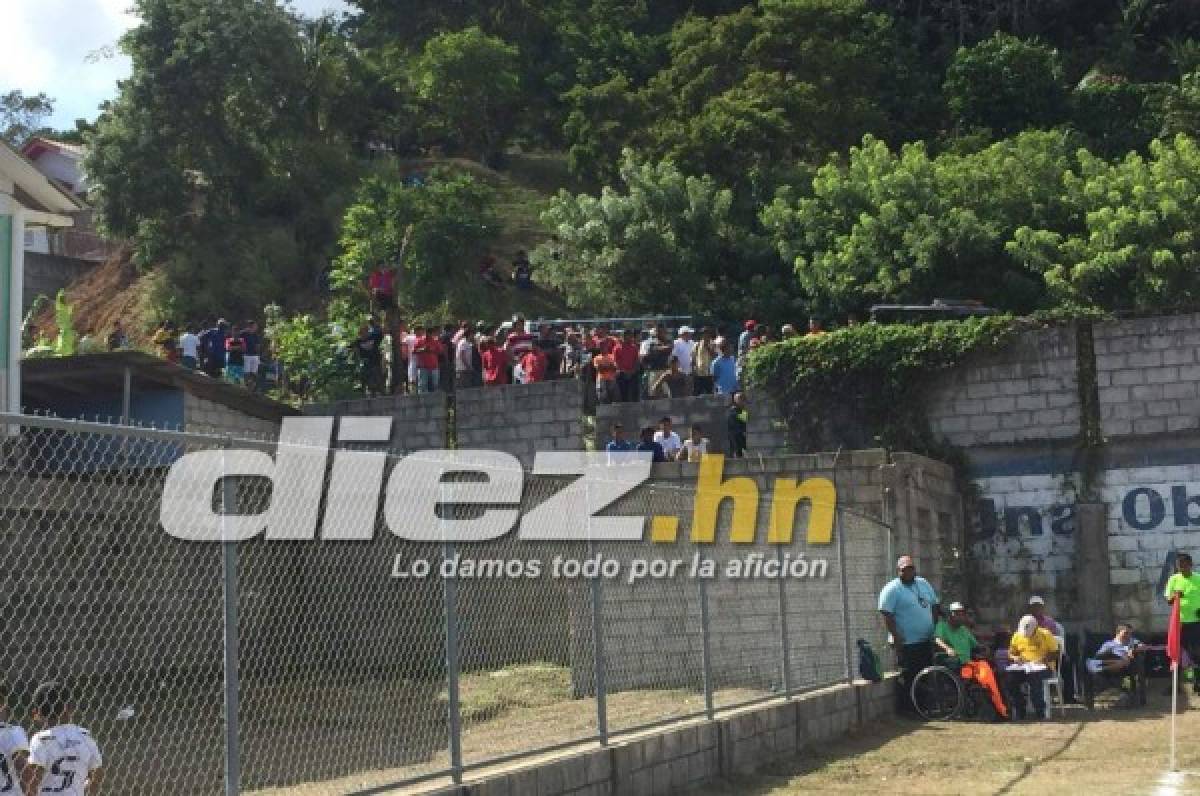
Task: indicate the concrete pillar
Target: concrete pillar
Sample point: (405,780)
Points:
(1092,566)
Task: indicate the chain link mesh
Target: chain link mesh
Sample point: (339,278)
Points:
(351,675)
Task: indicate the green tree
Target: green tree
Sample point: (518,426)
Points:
(904,226)
(1117,116)
(224,150)
(1005,84)
(1181,113)
(446,220)
(746,94)
(469,83)
(663,242)
(1137,246)
(22,115)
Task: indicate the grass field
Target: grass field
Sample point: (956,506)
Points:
(1110,750)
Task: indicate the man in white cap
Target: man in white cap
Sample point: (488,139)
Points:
(1037,609)
(682,350)
(909,606)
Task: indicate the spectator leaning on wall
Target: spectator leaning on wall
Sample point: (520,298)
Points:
(909,606)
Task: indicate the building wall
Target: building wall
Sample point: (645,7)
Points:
(521,419)
(209,417)
(63,168)
(1020,416)
(419,422)
(46,274)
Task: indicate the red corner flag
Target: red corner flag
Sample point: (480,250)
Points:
(1174,630)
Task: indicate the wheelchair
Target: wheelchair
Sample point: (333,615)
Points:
(940,693)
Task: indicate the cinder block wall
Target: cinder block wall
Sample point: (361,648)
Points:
(521,419)
(697,753)
(419,422)
(651,628)
(1026,391)
(1019,416)
(209,417)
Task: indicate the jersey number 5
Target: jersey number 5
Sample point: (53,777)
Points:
(67,777)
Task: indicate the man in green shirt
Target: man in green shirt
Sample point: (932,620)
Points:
(952,636)
(1185,587)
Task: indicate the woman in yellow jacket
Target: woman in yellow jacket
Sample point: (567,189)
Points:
(1033,656)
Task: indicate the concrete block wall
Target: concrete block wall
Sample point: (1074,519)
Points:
(1016,414)
(419,422)
(652,631)
(710,411)
(767,434)
(1148,375)
(1027,391)
(203,416)
(521,419)
(692,754)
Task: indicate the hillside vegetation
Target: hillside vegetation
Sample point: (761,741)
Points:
(719,157)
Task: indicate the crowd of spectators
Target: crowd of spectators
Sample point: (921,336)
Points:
(236,353)
(617,365)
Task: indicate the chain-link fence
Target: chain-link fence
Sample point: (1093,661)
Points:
(354,646)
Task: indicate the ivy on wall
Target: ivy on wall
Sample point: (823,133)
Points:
(870,379)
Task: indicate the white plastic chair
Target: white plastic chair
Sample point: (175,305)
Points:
(1055,681)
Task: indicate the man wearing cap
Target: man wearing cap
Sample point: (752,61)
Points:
(1037,609)
(958,644)
(682,350)
(909,606)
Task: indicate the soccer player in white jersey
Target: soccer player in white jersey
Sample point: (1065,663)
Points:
(63,759)
(14,748)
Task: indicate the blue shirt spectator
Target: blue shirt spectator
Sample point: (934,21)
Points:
(725,377)
(655,448)
(911,604)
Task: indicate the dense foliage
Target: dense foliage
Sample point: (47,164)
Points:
(439,226)
(869,380)
(740,157)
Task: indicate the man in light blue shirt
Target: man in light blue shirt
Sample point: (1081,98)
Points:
(909,606)
(724,371)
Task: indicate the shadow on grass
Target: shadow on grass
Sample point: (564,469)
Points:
(1029,768)
(814,759)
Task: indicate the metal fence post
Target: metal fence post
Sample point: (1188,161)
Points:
(598,660)
(845,589)
(705,650)
(453,708)
(785,657)
(229,600)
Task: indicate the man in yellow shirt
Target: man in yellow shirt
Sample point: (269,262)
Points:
(1185,587)
(1032,657)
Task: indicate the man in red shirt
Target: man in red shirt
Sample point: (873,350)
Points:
(382,285)
(518,342)
(601,341)
(626,354)
(534,364)
(495,363)
(428,352)
(606,379)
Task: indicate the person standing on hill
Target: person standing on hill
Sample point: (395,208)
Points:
(212,344)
